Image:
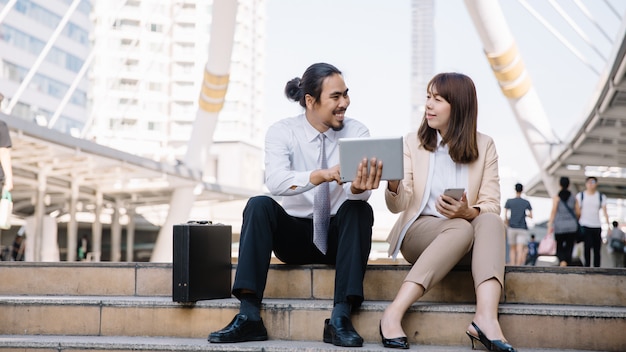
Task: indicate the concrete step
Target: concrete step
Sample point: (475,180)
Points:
(542,307)
(426,323)
(23,343)
(529,285)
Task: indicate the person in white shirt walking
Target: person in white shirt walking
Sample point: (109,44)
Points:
(591,203)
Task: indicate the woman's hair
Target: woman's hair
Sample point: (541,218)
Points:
(310,83)
(458,90)
(564,193)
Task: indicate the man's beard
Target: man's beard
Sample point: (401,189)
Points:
(337,128)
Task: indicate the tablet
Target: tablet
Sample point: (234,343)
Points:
(389,150)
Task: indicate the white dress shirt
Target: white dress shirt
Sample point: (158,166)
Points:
(447,174)
(291,151)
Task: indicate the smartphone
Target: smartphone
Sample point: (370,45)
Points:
(455,193)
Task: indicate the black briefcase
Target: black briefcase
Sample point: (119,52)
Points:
(201,264)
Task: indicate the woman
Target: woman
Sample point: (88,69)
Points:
(564,222)
(434,230)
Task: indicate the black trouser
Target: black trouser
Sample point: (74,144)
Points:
(266,227)
(564,246)
(593,239)
(531,259)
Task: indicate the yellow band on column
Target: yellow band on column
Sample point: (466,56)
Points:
(517,89)
(215,79)
(511,72)
(503,59)
(213,92)
(210,107)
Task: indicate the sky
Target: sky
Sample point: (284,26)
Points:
(370,41)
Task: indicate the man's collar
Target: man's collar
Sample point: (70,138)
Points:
(312,134)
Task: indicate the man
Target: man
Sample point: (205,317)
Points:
(296,150)
(591,202)
(19,246)
(531,256)
(517,229)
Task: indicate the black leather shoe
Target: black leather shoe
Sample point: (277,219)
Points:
(340,332)
(240,329)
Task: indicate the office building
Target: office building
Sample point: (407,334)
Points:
(422,56)
(146,78)
(44,46)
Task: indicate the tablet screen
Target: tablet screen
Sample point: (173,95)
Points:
(389,150)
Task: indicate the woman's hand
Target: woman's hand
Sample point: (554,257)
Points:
(392,185)
(452,208)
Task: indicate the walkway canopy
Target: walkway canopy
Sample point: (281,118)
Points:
(51,161)
(598,145)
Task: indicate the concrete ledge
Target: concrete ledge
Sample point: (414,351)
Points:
(155,279)
(565,285)
(525,325)
(541,285)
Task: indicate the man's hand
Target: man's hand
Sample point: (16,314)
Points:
(332,174)
(324,175)
(367,180)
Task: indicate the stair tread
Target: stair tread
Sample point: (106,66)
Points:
(110,298)
(315,304)
(140,343)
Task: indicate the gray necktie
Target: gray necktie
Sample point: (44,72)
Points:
(321,204)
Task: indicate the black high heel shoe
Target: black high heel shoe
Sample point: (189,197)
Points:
(396,342)
(491,345)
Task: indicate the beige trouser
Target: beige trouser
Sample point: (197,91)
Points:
(435,245)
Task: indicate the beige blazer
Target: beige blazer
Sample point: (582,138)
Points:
(483,190)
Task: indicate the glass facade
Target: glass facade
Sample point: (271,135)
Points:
(147,77)
(24,35)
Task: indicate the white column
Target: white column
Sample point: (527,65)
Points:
(47,247)
(130,235)
(211,101)
(515,83)
(116,233)
(72,225)
(40,212)
(96,229)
